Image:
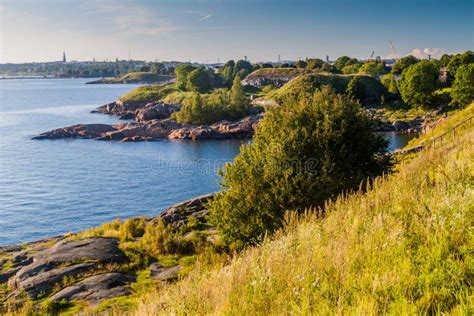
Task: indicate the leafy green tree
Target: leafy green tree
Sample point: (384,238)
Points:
(181,73)
(301,64)
(462,91)
(444,60)
(356,89)
(227,73)
(302,154)
(417,84)
(390,83)
(199,80)
(242,69)
(314,63)
(266,65)
(239,102)
(403,63)
(351,69)
(372,68)
(456,61)
(341,62)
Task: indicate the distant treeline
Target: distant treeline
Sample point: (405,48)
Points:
(87,69)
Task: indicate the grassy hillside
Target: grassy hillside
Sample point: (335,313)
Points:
(306,84)
(403,247)
(139,77)
(275,72)
(148,93)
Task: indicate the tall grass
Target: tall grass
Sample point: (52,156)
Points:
(403,247)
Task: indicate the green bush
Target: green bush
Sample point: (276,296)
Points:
(132,228)
(303,153)
(219,105)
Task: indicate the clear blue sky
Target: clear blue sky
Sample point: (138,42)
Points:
(205,30)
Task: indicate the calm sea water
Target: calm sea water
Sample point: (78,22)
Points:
(53,187)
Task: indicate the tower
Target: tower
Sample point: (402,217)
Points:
(64,57)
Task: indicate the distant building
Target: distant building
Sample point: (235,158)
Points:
(64,57)
(443,74)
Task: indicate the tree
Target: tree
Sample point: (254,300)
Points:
(302,154)
(227,73)
(341,62)
(301,64)
(238,100)
(462,91)
(356,89)
(456,61)
(199,80)
(242,69)
(403,63)
(314,63)
(351,69)
(372,68)
(266,65)
(390,83)
(181,73)
(417,84)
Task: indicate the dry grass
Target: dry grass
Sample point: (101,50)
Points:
(403,247)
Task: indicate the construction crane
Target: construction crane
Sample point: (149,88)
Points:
(371,55)
(393,52)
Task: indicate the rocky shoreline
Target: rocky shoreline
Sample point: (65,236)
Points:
(152,122)
(88,269)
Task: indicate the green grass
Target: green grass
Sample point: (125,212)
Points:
(446,124)
(148,93)
(276,72)
(140,77)
(403,247)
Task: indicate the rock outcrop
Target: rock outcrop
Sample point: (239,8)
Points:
(155,129)
(178,214)
(67,258)
(97,288)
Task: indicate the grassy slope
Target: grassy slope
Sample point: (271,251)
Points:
(404,247)
(308,83)
(140,77)
(148,93)
(269,72)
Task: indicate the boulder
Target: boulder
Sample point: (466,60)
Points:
(43,271)
(158,272)
(96,288)
(178,214)
(44,281)
(154,111)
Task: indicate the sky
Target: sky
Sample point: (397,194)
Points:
(218,30)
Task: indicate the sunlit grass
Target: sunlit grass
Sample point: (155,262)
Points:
(403,247)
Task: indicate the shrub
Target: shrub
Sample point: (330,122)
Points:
(303,153)
(159,239)
(132,228)
(220,105)
(356,89)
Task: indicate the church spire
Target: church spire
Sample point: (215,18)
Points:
(64,57)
